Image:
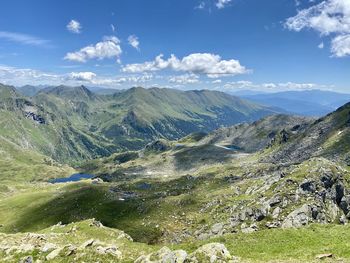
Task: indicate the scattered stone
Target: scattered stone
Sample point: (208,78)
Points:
(323,256)
(252,228)
(53,254)
(97,181)
(25,248)
(95,223)
(48,247)
(70,250)
(212,252)
(27,259)
(343,220)
(164,255)
(112,250)
(72,229)
(217,229)
(276,212)
(87,243)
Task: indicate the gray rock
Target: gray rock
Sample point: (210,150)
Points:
(164,255)
(87,243)
(27,259)
(275,201)
(276,212)
(48,247)
(299,217)
(217,229)
(212,252)
(53,254)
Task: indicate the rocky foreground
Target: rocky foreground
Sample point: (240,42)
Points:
(69,243)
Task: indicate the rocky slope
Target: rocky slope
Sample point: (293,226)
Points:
(328,136)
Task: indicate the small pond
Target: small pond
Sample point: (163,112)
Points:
(72,178)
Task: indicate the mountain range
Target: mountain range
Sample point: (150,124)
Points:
(73,123)
(305,102)
(170,176)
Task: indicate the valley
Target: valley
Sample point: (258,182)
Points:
(259,186)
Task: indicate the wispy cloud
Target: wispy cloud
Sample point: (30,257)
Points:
(134,42)
(24,39)
(222,3)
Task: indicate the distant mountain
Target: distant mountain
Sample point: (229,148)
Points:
(73,123)
(104,91)
(29,90)
(307,102)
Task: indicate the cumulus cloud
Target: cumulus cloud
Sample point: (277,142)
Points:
(108,48)
(82,76)
(134,42)
(197,63)
(216,81)
(341,46)
(184,79)
(330,17)
(24,39)
(74,27)
(222,3)
(321,45)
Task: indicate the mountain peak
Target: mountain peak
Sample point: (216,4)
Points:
(73,93)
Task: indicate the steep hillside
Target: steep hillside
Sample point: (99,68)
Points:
(328,136)
(35,127)
(257,135)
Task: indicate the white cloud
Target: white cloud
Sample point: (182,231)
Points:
(113,28)
(222,3)
(329,17)
(321,45)
(108,48)
(217,81)
(199,63)
(24,39)
(22,76)
(341,46)
(74,26)
(82,76)
(185,79)
(134,42)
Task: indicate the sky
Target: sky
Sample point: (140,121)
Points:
(226,45)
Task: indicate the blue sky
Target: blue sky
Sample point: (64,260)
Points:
(216,44)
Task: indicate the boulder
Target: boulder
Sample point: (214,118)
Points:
(27,259)
(217,229)
(53,254)
(48,247)
(212,252)
(164,255)
(87,243)
(299,217)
